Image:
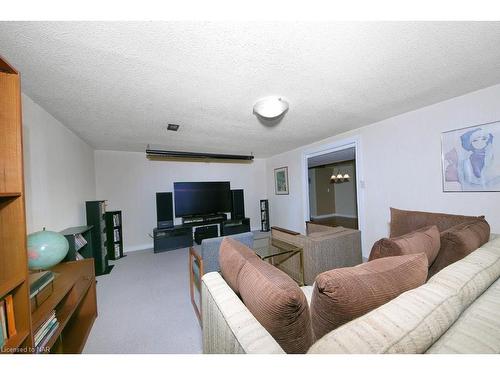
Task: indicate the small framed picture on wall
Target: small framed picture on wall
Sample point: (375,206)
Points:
(281,181)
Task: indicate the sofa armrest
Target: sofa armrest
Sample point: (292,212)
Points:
(228,326)
(312,227)
(294,239)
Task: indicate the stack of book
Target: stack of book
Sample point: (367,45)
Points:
(116,234)
(41,287)
(117,250)
(80,241)
(116,220)
(7,319)
(45,332)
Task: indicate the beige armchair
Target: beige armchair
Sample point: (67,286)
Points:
(324,248)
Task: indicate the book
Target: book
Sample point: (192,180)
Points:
(2,339)
(45,329)
(80,241)
(11,319)
(41,296)
(45,324)
(40,332)
(39,280)
(3,320)
(41,346)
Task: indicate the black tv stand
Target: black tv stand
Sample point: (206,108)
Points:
(207,226)
(202,220)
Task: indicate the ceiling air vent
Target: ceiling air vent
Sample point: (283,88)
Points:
(173,127)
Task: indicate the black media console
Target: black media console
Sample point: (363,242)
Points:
(208,231)
(199,204)
(236,226)
(172,238)
(181,236)
(193,221)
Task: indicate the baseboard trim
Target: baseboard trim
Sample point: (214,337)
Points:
(130,249)
(333,215)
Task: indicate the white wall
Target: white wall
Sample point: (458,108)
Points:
(345,192)
(312,191)
(400,165)
(58,171)
(129,182)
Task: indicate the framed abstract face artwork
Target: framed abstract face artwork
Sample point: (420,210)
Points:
(471,158)
(281,181)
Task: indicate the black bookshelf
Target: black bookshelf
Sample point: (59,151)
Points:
(114,234)
(264,215)
(96,212)
(80,242)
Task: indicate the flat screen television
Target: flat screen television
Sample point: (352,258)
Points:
(201,198)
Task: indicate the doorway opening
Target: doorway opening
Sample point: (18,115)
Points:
(333,196)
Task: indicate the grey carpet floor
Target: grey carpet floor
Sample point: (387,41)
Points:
(144,306)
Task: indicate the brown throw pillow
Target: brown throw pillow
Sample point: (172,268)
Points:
(278,303)
(343,294)
(425,240)
(232,257)
(403,221)
(459,241)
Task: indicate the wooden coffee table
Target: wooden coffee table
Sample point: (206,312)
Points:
(277,248)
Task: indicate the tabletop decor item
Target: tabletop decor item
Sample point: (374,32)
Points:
(281,180)
(471,158)
(46,249)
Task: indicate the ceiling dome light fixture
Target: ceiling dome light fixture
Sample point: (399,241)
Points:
(270,107)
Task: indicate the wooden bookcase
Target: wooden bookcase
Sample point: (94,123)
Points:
(75,304)
(74,295)
(114,235)
(13,254)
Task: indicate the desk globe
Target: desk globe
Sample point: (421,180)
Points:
(46,249)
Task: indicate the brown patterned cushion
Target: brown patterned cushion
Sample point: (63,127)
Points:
(425,240)
(459,241)
(232,257)
(403,221)
(278,303)
(343,294)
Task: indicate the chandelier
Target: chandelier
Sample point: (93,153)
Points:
(339,177)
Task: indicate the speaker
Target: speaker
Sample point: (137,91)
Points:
(238,204)
(164,210)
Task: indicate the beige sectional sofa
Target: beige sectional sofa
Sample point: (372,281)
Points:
(456,311)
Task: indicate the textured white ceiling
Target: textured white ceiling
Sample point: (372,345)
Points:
(117,85)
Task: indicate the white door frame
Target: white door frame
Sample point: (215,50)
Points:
(326,149)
